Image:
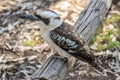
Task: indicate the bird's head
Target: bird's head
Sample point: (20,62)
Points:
(46,19)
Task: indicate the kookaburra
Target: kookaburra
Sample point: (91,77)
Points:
(63,38)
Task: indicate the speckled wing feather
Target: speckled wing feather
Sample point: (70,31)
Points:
(66,37)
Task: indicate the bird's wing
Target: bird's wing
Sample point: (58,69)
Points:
(67,38)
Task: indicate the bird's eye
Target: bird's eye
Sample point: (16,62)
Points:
(38,16)
(57,18)
(45,20)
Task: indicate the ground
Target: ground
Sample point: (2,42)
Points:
(22,49)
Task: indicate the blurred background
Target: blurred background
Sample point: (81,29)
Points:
(23,50)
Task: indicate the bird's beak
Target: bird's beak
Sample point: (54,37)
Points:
(28,16)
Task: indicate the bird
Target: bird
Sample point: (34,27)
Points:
(63,38)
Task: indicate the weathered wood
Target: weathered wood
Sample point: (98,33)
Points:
(52,69)
(55,68)
(91,18)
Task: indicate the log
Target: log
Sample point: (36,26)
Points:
(52,69)
(91,18)
(56,68)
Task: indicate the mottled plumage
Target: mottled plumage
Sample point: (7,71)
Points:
(64,39)
(67,38)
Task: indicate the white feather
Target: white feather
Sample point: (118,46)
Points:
(48,14)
